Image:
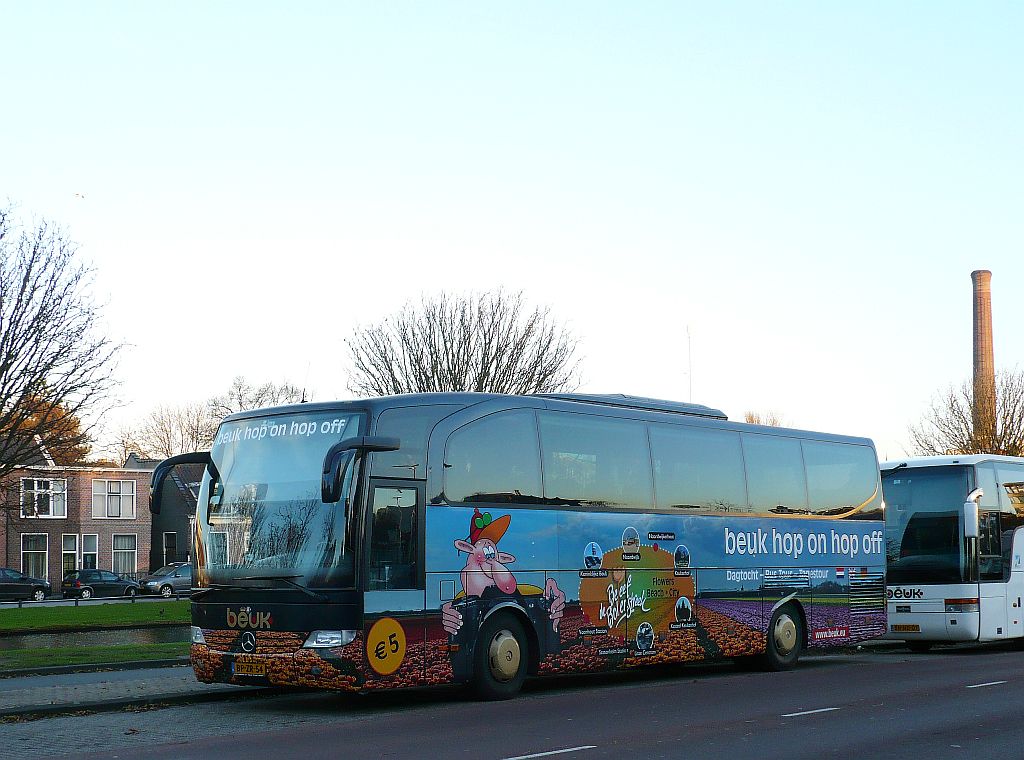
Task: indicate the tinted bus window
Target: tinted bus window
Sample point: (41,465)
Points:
(411,425)
(1011,487)
(985,479)
(840,476)
(698,469)
(595,460)
(775,474)
(494,460)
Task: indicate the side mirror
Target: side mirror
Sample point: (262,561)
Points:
(340,457)
(971,513)
(163,469)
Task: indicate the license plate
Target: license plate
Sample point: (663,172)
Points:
(905,628)
(249,668)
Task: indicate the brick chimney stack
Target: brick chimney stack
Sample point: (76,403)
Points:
(984,412)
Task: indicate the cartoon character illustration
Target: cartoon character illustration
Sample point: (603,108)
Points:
(486,574)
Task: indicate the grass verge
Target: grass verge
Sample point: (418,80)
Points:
(94,616)
(36,658)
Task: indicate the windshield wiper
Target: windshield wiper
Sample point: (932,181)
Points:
(286,579)
(235,587)
(891,470)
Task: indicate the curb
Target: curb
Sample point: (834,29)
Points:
(51,670)
(111,705)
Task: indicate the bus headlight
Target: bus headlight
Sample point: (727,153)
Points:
(962,605)
(197,635)
(323,639)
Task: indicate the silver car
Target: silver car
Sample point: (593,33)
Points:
(175,578)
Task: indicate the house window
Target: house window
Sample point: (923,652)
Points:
(125,553)
(170,548)
(113,499)
(43,498)
(69,553)
(90,551)
(34,554)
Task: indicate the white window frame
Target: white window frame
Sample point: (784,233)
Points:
(135,553)
(84,553)
(62,493)
(46,554)
(64,552)
(104,495)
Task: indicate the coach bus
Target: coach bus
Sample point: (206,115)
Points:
(479,538)
(954,547)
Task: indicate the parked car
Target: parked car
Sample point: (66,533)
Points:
(16,585)
(86,584)
(175,578)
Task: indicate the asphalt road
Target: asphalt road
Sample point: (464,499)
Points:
(960,703)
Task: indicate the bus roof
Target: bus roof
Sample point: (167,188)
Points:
(945,460)
(618,405)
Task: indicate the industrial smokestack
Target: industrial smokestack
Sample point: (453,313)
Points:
(984,411)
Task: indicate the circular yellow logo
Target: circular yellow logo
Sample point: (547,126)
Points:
(385,646)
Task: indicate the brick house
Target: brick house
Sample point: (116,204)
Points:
(56,519)
(172,528)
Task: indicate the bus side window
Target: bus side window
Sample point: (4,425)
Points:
(1011,490)
(775,474)
(698,469)
(393,541)
(990,555)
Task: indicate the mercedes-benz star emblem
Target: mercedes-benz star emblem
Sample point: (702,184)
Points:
(248,641)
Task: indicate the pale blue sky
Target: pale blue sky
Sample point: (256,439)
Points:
(806,186)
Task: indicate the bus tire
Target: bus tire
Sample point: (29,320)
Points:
(919,647)
(501,657)
(785,637)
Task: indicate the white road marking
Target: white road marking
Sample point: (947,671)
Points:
(552,752)
(990,683)
(810,712)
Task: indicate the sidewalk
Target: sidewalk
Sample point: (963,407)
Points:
(64,692)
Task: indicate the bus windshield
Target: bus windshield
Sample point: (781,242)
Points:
(924,524)
(260,513)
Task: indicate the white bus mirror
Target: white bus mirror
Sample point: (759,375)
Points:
(970,519)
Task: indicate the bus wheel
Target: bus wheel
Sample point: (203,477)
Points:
(919,647)
(500,660)
(785,637)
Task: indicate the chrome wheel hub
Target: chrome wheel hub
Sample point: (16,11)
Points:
(784,634)
(504,656)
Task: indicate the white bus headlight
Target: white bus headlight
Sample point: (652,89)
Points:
(323,639)
(197,635)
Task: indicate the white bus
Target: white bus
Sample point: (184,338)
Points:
(954,548)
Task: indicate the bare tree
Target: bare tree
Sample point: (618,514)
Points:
(774,419)
(242,396)
(170,430)
(56,367)
(488,342)
(950,426)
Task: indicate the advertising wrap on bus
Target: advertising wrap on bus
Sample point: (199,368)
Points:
(642,589)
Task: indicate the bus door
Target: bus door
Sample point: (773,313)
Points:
(1014,560)
(992,584)
(393,620)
